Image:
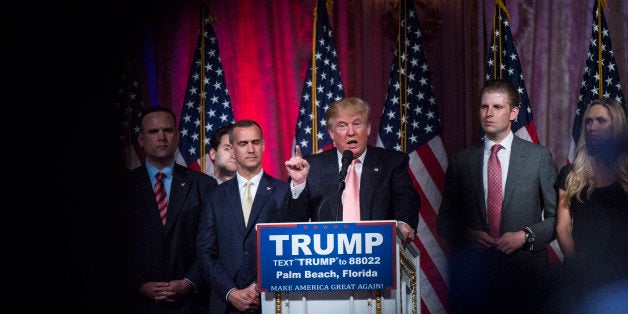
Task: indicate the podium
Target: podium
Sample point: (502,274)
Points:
(402,297)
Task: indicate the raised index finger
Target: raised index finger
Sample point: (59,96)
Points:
(297,151)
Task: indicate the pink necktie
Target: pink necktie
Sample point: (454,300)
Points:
(495,196)
(351,195)
(161,197)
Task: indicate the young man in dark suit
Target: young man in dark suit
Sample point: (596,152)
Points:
(221,155)
(227,239)
(163,272)
(500,264)
(385,186)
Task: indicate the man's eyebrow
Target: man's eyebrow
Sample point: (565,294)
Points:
(249,141)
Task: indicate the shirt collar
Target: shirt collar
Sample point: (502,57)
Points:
(506,143)
(168,170)
(256,179)
(361,158)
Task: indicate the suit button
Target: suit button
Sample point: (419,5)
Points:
(246,252)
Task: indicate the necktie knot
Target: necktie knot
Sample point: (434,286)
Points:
(247,189)
(495,149)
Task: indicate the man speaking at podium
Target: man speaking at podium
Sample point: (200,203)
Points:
(322,184)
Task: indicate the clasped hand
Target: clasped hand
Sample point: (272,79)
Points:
(165,291)
(507,243)
(245,300)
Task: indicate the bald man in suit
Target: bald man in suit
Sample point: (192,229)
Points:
(163,273)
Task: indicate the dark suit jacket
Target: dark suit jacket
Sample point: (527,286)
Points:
(386,190)
(528,195)
(229,248)
(158,253)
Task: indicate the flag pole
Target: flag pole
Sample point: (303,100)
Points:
(403,96)
(203,157)
(495,13)
(313,65)
(128,143)
(599,47)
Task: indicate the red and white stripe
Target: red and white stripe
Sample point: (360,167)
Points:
(427,166)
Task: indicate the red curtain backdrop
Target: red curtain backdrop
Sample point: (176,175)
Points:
(265,47)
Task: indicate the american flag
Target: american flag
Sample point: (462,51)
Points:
(127,109)
(503,63)
(410,123)
(322,86)
(207,104)
(601,76)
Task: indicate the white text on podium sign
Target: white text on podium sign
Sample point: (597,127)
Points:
(326,256)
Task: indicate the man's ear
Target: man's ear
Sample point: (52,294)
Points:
(514,112)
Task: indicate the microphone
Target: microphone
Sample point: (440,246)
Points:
(347,157)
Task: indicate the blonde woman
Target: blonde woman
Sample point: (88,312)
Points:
(592,215)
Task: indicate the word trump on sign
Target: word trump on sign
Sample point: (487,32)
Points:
(340,243)
(326,256)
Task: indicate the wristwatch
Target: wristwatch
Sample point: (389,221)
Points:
(530,237)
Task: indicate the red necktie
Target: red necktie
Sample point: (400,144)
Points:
(495,196)
(351,195)
(161,197)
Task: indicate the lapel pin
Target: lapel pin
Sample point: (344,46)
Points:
(376,169)
(268,188)
(183,184)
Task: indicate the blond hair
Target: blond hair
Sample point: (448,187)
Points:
(583,170)
(347,105)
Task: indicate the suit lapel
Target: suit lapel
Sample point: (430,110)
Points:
(515,165)
(475,164)
(329,180)
(371,171)
(179,191)
(264,191)
(232,195)
(330,167)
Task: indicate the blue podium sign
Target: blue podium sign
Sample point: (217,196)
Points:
(326,256)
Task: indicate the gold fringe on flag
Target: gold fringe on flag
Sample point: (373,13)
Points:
(329,4)
(210,13)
